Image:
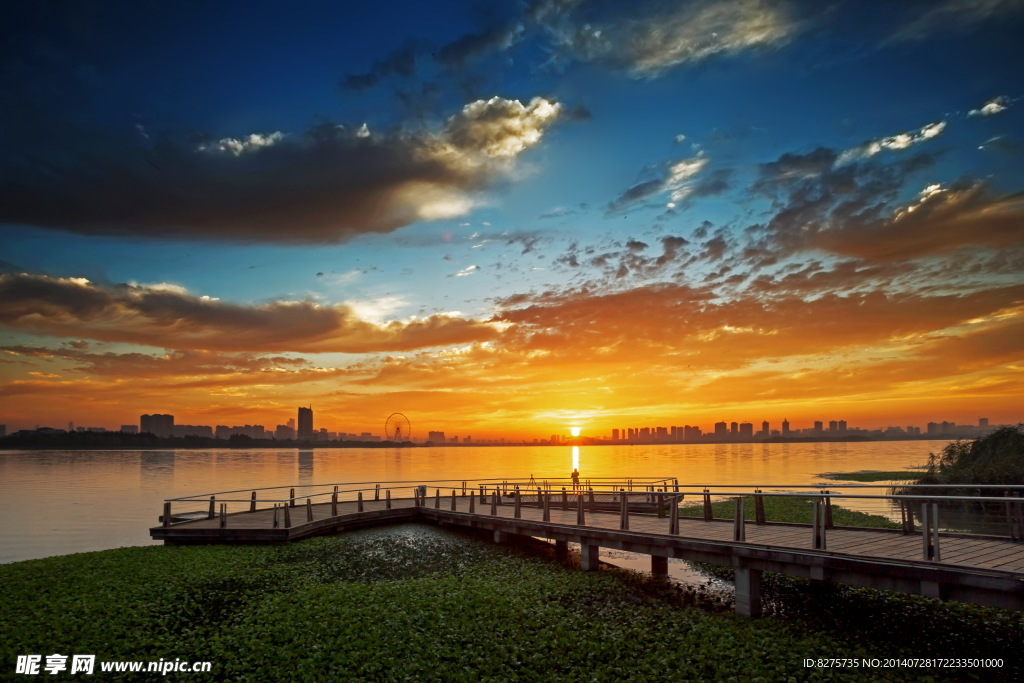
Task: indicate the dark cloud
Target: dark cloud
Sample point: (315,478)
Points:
(474,45)
(401,62)
(168,317)
(325,186)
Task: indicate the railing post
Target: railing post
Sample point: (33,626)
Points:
(211,515)
(498,493)
(517,512)
(540,503)
(483,492)
(906,518)
(565,499)
(376,493)
(547,507)
(437,499)
(624,514)
(252,504)
(676,485)
(309,510)
(291,502)
(387,499)
(819,525)
(581,518)
(661,505)
(277,522)
(223,515)
(359,502)
(828,510)
(494,502)
(936,554)
(708,516)
(167,513)
(453,501)
(334,504)
(472,504)
(739,525)
(1014,516)
(287,516)
(593,502)
(925,532)
(758,507)
(463,489)
(673,517)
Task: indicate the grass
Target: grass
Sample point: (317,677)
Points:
(796,509)
(900,475)
(406,603)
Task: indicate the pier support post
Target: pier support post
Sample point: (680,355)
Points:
(212,501)
(758,507)
(334,504)
(167,513)
(624,513)
(252,503)
(748,592)
(561,550)
(499,537)
(659,566)
(387,499)
(707,506)
(547,507)
(359,502)
(309,510)
(588,557)
(472,504)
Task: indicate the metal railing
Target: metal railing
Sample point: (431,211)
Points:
(1000,515)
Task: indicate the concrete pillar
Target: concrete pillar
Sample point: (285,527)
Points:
(561,549)
(748,592)
(588,557)
(659,566)
(499,537)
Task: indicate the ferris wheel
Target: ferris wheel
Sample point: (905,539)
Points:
(397,427)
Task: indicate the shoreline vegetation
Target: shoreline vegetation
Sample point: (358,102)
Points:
(420,603)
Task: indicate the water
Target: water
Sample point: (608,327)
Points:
(59,502)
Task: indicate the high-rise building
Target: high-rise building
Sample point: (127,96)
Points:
(720,429)
(436,437)
(785,427)
(734,428)
(157,425)
(983,422)
(747,430)
(818,427)
(842,426)
(615,435)
(305,430)
(766,428)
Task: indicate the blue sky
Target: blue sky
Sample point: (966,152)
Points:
(472,185)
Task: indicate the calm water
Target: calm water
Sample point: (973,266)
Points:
(59,502)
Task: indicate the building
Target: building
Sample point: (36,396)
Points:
(819,428)
(436,437)
(157,425)
(3,430)
(305,430)
(785,427)
(747,430)
(284,432)
(192,430)
(720,429)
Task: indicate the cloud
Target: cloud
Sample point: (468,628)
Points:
(648,38)
(995,106)
(474,45)
(953,14)
(165,318)
(895,142)
(676,178)
(468,270)
(939,220)
(400,62)
(325,186)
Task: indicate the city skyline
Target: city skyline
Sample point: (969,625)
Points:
(512,219)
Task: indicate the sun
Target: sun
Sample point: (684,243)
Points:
(575,431)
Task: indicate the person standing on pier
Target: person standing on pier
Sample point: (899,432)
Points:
(575,479)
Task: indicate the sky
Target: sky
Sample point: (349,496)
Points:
(511,219)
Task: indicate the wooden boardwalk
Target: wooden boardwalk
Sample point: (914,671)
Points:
(980,570)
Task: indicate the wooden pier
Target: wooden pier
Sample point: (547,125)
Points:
(976,569)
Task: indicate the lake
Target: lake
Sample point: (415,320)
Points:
(59,502)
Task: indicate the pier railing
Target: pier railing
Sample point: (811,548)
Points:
(994,511)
